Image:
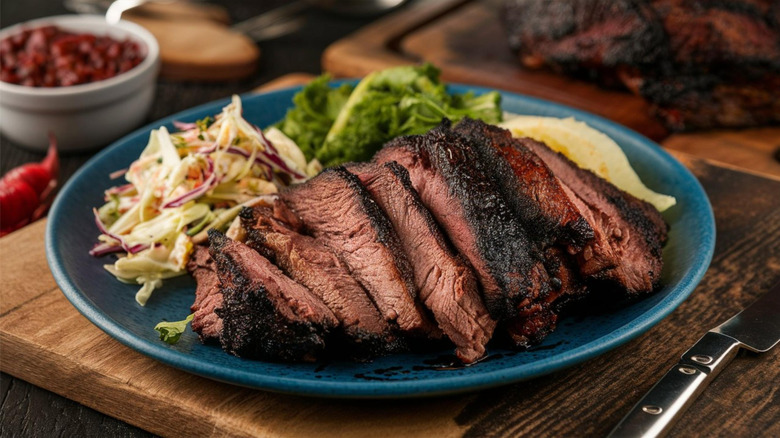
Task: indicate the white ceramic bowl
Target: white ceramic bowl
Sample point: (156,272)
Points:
(84,116)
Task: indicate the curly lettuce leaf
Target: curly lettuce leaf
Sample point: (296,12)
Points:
(486,107)
(316,108)
(398,101)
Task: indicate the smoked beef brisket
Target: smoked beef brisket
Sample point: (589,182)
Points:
(337,210)
(446,285)
(589,38)
(530,187)
(265,314)
(466,224)
(700,63)
(630,233)
(557,228)
(461,191)
(208,295)
(313,265)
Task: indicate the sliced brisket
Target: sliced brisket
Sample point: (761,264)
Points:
(208,295)
(536,320)
(460,190)
(547,212)
(537,196)
(447,286)
(315,266)
(337,210)
(629,232)
(265,314)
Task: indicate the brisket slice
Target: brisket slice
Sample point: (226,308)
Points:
(556,226)
(337,210)
(630,233)
(460,190)
(265,314)
(536,320)
(447,286)
(315,266)
(208,295)
(537,196)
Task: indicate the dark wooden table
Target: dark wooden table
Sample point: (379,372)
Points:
(27,410)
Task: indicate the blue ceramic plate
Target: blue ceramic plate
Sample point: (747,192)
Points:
(110,304)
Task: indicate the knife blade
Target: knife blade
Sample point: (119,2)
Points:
(756,328)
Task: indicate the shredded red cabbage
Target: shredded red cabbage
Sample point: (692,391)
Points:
(194,193)
(208,149)
(184,126)
(119,190)
(131,249)
(104,248)
(273,155)
(277,161)
(117,173)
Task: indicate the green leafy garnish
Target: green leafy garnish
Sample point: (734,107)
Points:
(316,108)
(385,104)
(170,332)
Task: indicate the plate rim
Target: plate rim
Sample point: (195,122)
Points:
(394,388)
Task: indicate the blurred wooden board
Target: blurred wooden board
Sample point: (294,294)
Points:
(44,340)
(181,10)
(466,39)
(196,42)
(756,149)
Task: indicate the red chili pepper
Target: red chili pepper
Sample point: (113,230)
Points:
(26,191)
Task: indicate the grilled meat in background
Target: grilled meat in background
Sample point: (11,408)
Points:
(701,63)
(457,232)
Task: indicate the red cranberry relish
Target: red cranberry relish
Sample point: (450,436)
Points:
(51,57)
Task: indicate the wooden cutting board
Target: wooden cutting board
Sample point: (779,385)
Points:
(466,39)
(196,42)
(44,340)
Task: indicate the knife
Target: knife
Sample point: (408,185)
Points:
(756,328)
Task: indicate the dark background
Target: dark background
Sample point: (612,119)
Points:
(27,410)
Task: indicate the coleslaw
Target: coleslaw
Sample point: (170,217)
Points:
(185,183)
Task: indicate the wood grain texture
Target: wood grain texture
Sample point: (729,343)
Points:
(181,10)
(466,40)
(29,411)
(70,356)
(62,354)
(757,149)
(202,50)
(374,47)
(285,81)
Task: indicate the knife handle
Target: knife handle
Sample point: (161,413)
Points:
(661,407)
